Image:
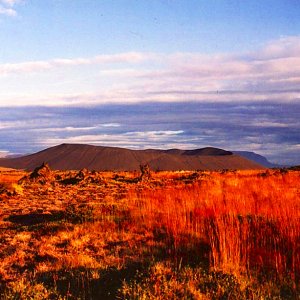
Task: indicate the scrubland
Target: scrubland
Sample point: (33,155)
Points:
(176,235)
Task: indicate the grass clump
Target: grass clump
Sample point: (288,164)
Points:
(163,281)
(79,214)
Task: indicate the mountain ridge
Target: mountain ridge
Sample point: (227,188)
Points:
(258,158)
(107,158)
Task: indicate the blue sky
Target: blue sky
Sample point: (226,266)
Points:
(158,73)
(52,28)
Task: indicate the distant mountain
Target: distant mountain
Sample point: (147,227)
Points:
(257,158)
(99,158)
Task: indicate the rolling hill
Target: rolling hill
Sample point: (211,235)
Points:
(257,158)
(100,158)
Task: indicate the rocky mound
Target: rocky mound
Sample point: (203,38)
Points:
(42,174)
(84,176)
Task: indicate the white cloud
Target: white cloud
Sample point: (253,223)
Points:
(111,125)
(32,125)
(7,11)
(269,124)
(156,134)
(287,46)
(7,7)
(4,125)
(269,74)
(40,66)
(134,139)
(63,129)
(10,2)
(74,129)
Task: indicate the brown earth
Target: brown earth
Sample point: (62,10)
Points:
(79,156)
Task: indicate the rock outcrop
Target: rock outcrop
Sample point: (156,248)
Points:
(145,173)
(84,176)
(42,174)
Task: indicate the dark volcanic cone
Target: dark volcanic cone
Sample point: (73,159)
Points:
(99,158)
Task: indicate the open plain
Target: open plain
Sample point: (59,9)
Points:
(158,235)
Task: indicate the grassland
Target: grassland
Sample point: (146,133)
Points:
(177,235)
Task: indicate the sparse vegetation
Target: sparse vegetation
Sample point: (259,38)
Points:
(177,235)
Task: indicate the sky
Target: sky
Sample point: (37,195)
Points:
(151,74)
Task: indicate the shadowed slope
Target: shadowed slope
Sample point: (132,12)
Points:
(78,156)
(258,158)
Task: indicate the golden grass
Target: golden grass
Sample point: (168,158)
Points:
(249,221)
(182,235)
(10,175)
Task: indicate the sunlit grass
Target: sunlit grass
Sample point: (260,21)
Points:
(180,235)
